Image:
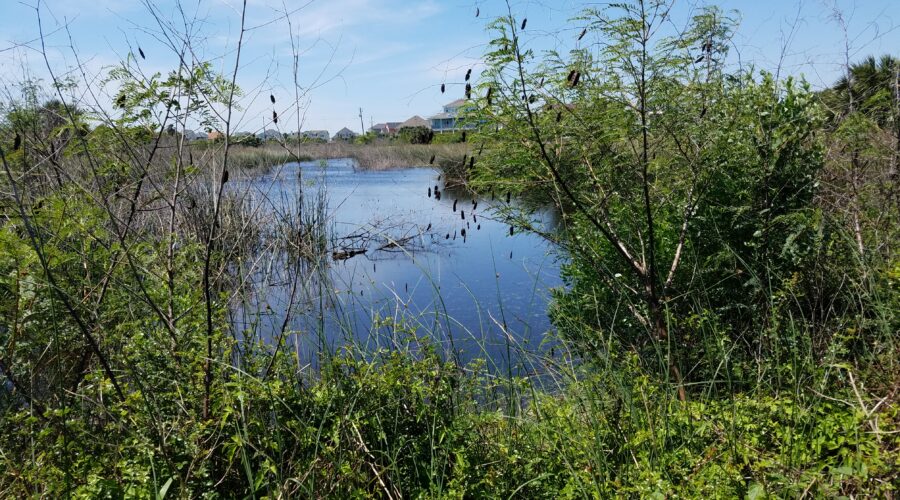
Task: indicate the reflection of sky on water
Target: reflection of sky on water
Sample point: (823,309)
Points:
(461,288)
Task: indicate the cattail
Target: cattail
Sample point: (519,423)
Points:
(477,11)
(479,227)
(577,78)
(447,237)
(475,218)
(17,142)
(471,162)
(508,196)
(468,74)
(468,91)
(462,214)
(429,192)
(431,161)
(468,225)
(120,101)
(492,194)
(524,23)
(532,99)
(463,233)
(141,52)
(511,230)
(465,157)
(275,117)
(224,176)
(698,59)
(272,98)
(510,255)
(583,32)
(541,83)
(703,112)
(464,136)
(406,287)
(437,195)
(571,76)
(488,97)
(373,267)
(443,88)
(558,116)
(454,205)
(454,234)
(428,228)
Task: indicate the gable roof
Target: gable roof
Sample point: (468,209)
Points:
(455,104)
(345,131)
(415,121)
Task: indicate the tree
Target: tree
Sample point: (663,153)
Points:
(637,142)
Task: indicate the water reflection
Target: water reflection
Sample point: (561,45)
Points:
(405,254)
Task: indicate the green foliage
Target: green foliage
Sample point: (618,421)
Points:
(448,138)
(416,135)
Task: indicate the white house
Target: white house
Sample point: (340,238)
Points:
(270,134)
(447,120)
(345,134)
(321,135)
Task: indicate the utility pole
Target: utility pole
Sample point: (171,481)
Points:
(362,126)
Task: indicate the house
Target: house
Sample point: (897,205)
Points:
(389,128)
(319,135)
(191,136)
(214,135)
(270,134)
(447,120)
(345,134)
(415,121)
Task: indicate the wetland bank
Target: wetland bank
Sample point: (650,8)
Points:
(644,267)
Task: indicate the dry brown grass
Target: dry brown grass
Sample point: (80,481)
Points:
(371,156)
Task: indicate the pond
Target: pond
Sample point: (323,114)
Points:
(447,267)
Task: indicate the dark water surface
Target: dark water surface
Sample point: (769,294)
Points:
(482,295)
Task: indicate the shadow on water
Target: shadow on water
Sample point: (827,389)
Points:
(395,260)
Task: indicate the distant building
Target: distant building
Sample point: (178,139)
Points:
(383,129)
(270,134)
(321,135)
(190,135)
(448,119)
(415,121)
(345,134)
(214,135)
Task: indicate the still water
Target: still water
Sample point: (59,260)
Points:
(446,268)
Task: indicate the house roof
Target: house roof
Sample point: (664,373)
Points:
(415,121)
(442,116)
(455,104)
(345,131)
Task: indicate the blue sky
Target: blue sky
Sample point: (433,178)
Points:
(391,56)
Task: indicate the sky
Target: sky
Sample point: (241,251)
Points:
(390,57)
